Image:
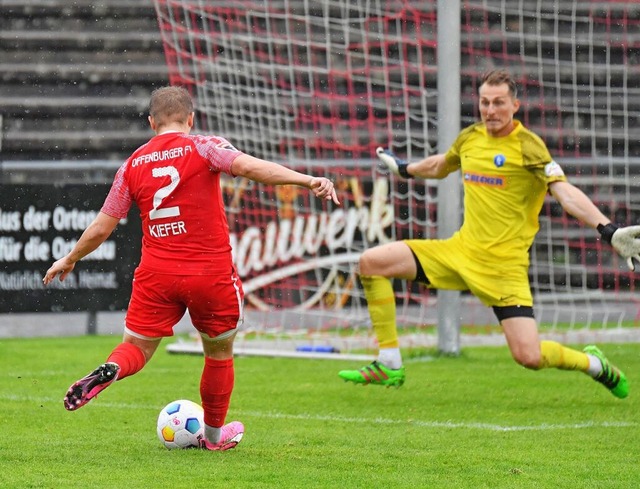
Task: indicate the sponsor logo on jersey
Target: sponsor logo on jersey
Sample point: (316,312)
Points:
(226,145)
(499,160)
(488,180)
(552,169)
(165,154)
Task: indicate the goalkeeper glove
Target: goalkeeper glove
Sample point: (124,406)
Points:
(626,241)
(393,163)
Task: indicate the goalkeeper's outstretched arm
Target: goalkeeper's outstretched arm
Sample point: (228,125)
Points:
(625,240)
(434,166)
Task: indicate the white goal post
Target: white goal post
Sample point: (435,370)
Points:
(320,84)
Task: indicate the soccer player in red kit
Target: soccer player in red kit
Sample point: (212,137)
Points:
(186,263)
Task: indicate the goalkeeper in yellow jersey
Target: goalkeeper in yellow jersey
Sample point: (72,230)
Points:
(506,171)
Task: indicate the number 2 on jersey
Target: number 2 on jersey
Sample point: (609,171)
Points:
(164,192)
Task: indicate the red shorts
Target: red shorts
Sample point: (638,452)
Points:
(159,301)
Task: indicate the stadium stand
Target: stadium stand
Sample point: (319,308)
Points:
(76,77)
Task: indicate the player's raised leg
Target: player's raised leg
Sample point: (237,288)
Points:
(89,386)
(377,266)
(126,359)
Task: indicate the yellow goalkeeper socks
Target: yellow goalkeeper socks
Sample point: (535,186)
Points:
(381,303)
(554,355)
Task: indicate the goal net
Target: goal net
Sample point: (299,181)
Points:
(319,85)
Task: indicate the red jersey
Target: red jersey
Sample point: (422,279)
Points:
(174,179)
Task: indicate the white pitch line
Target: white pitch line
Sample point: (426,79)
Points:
(349,420)
(442,424)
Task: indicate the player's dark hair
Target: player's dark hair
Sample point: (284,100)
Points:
(498,77)
(170,104)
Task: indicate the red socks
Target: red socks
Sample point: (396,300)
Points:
(216,386)
(129,357)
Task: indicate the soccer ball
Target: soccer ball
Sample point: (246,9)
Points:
(181,424)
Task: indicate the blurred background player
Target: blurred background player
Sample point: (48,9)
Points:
(186,262)
(506,171)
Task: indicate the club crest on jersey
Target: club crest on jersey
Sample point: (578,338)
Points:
(499,160)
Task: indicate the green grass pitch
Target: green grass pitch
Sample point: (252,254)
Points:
(476,421)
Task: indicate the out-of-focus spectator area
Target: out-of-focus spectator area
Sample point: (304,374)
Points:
(76,77)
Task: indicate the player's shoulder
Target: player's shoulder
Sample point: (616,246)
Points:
(206,138)
(534,149)
(472,129)
(212,141)
(469,132)
(527,136)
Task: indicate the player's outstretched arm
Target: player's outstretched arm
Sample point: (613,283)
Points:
(92,237)
(434,166)
(271,173)
(625,240)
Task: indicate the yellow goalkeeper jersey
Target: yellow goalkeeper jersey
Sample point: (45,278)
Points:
(505,181)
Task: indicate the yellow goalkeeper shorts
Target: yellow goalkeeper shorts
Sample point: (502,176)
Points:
(448,266)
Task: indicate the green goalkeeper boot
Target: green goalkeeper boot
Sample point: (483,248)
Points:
(374,373)
(611,376)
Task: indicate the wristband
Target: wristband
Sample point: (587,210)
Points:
(402,170)
(606,231)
